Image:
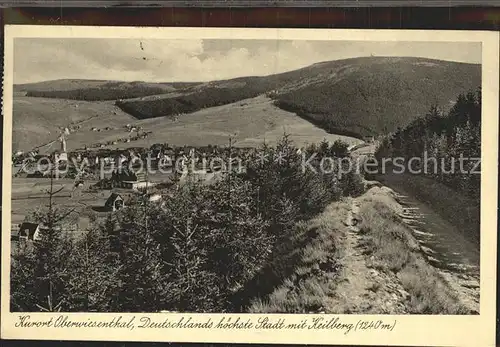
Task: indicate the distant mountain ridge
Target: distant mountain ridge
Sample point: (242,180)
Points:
(97,90)
(356,97)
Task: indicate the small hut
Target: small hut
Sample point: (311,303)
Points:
(29,231)
(114,202)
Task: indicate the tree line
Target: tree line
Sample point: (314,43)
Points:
(98,94)
(446,137)
(195,252)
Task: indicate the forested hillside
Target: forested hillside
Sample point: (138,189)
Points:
(443,138)
(89,90)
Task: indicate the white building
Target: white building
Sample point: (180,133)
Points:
(63,155)
(155,198)
(136,185)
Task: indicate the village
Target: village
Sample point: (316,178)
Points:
(103,177)
(96,181)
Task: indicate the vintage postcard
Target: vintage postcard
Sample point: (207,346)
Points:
(250,185)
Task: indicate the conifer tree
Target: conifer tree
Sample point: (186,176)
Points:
(43,265)
(93,282)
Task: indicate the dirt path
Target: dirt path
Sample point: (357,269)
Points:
(362,289)
(455,255)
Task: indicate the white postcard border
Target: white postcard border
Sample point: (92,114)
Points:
(409,330)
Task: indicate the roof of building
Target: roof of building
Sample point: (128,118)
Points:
(126,175)
(137,182)
(28,229)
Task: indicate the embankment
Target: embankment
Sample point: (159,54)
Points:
(358,256)
(391,248)
(301,278)
(461,211)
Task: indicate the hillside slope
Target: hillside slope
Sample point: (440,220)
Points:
(355,97)
(37,121)
(249,122)
(370,96)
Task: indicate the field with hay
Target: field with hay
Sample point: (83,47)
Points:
(249,122)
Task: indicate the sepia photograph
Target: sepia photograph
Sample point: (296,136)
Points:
(246,175)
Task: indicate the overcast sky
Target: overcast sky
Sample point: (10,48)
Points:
(202,60)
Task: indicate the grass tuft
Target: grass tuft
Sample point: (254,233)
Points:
(311,282)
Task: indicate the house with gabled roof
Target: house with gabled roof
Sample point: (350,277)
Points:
(114,202)
(29,231)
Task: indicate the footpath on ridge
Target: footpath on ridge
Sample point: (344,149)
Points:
(365,287)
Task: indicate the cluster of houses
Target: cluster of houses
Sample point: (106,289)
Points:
(132,128)
(126,179)
(19,157)
(123,177)
(157,152)
(99,129)
(140,135)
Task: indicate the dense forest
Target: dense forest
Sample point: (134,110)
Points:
(199,251)
(188,102)
(98,90)
(440,140)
